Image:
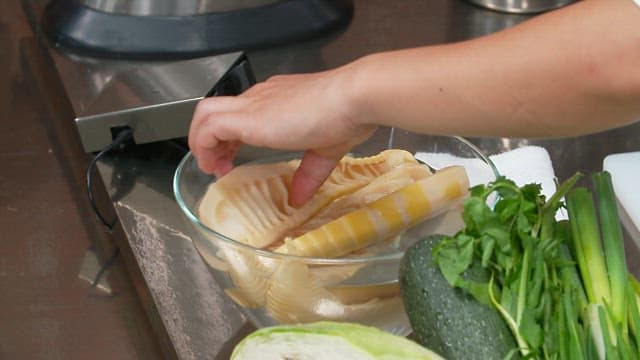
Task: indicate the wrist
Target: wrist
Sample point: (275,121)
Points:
(355,91)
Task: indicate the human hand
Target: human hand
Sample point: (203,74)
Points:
(311,112)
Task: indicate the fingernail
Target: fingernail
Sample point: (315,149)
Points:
(223,168)
(294,199)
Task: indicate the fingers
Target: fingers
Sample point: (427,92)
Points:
(210,106)
(310,175)
(314,169)
(214,142)
(218,160)
(286,112)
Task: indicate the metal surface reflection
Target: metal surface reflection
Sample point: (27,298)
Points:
(522,6)
(172,7)
(156,99)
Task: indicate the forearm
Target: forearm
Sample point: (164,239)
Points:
(569,72)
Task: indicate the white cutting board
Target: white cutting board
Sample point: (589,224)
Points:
(625,175)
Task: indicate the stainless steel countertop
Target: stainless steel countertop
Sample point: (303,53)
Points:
(199,321)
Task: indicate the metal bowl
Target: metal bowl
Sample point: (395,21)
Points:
(522,6)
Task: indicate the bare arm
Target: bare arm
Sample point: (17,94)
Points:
(569,72)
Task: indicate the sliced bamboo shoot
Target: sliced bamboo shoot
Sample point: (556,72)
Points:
(250,275)
(383,218)
(379,187)
(358,294)
(251,203)
(294,296)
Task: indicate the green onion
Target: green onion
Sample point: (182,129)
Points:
(634,311)
(599,250)
(610,350)
(587,245)
(613,245)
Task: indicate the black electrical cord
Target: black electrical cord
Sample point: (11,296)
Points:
(118,142)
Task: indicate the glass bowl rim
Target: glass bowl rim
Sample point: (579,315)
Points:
(307,259)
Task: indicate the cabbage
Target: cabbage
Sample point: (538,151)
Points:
(330,341)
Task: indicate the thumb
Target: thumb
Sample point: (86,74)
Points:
(314,169)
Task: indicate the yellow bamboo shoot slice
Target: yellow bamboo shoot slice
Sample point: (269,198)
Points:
(327,275)
(384,217)
(251,203)
(379,187)
(388,313)
(358,294)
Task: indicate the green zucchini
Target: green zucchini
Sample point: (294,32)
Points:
(445,319)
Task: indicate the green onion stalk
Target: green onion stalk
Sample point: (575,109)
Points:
(611,313)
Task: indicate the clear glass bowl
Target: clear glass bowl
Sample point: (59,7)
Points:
(272,288)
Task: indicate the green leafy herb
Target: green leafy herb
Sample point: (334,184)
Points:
(518,241)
